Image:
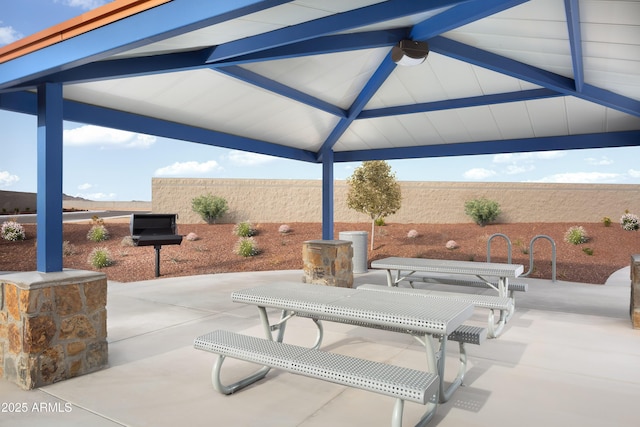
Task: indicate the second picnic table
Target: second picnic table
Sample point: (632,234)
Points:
(405,269)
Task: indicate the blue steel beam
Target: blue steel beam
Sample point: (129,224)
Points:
(281,89)
(156,24)
(368,15)
(49,197)
(324,45)
(474,101)
(570,142)
(572,9)
(193,60)
(25,102)
(460,15)
(327,195)
(532,74)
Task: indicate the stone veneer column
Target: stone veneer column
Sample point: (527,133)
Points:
(328,262)
(53,326)
(634,308)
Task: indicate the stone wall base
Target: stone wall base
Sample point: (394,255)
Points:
(53,326)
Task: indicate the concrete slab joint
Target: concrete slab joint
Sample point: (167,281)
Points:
(53,326)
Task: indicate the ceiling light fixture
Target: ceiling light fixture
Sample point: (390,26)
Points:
(409,52)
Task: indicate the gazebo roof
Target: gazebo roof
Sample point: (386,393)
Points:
(299,79)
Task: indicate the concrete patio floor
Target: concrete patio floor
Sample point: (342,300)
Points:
(568,357)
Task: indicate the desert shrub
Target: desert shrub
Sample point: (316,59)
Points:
(284,229)
(12,231)
(244,229)
(98,233)
(380,222)
(412,234)
(246,247)
(629,222)
(68,248)
(606,221)
(209,207)
(127,241)
(587,251)
(192,237)
(483,211)
(100,258)
(576,235)
(451,244)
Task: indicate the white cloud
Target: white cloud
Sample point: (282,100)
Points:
(83,4)
(244,158)
(516,169)
(7,179)
(188,168)
(95,135)
(527,157)
(84,186)
(97,196)
(602,161)
(479,173)
(583,178)
(633,173)
(9,35)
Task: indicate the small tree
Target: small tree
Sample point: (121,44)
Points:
(373,190)
(209,207)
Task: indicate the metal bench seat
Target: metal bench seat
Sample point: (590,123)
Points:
(492,302)
(401,383)
(475,283)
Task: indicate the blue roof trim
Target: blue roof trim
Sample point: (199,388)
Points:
(161,22)
(572,8)
(570,142)
(325,26)
(281,89)
(475,101)
(531,74)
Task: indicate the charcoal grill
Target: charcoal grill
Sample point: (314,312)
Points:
(154,230)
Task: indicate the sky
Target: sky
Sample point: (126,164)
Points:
(105,164)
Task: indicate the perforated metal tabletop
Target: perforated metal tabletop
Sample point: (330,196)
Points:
(406,312)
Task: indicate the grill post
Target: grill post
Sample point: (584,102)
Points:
(157,248)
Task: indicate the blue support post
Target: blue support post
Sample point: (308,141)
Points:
(49,199)
(327,194)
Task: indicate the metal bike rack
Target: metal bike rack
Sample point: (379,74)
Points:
(508,246)
(539,236)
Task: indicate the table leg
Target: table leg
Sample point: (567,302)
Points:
(260,373)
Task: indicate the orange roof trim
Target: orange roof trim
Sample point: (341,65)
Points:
(96,18)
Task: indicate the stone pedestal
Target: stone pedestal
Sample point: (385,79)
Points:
(634,309)
(53,326)
(328,262)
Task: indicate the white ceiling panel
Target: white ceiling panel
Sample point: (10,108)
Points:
(479,123)
(512,120)
(421,130)
(449,126)
(548,117)
(336,78)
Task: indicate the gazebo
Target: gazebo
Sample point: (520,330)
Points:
(330,81)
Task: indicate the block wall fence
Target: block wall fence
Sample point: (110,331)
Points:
(284,201)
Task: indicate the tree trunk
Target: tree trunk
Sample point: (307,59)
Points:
(373,229)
